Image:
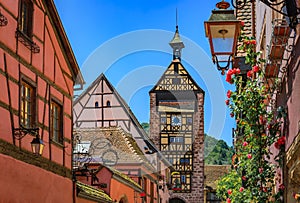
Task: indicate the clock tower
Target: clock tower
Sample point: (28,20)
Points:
(177,127)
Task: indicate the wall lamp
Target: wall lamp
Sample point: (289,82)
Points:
(37,145)
(288,8)
(222,30)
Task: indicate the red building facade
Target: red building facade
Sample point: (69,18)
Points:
(38,72)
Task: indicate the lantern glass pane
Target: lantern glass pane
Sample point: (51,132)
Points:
(223,38)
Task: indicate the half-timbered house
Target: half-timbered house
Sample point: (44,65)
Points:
(38,72)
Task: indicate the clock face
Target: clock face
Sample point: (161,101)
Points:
(176,120)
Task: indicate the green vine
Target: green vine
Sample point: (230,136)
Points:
(256,170)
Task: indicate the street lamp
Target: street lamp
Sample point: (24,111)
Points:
(222,30)
(287,8)
(37,145)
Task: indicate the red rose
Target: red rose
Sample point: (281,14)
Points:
(242,23)
(229,191)
(281,187)
(241,189)
(255,69)
(231,115)
(234,71)
(260,170)
(228,94)
(249,73)
(262,120)
(245,144)
(244,178)
(249,156)
(276,145)
(238,71)
(227,102)
(281,140)
(228,200)
(230,72)
(229,78)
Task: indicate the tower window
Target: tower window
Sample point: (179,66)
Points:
(176,139)
(96,104)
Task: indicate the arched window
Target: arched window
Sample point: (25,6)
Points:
(108,103)
(96,104)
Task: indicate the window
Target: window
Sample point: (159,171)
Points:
(26,17)
(108,103)
(176,139)
(56,122)
(184,161)
(183,179)
(27,106)
(96,104)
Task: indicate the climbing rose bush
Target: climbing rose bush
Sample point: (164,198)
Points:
(258,131)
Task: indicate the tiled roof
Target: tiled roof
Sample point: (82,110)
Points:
(213,172)
(87,191)
(115,140)
(125,177)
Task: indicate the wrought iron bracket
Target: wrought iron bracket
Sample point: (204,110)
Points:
(32,46)
(291,11)
(221,68)
(21,132)
(3,20)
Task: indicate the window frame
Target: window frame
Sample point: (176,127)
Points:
(59,138)
(25,19)
(24,82)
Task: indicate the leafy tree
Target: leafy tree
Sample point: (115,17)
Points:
(217,151)
(145,126)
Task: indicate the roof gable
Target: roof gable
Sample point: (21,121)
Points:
(63,41)
(176,78)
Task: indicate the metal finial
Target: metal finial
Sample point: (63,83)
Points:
(176,18)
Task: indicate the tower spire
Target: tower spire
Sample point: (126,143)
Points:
(176,42)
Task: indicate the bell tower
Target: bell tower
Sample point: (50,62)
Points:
(177,126)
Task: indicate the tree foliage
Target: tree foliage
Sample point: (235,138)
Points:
(217,152)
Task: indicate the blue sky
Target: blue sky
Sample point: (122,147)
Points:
(128,41)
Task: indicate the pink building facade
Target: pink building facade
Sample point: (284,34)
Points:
(38,72)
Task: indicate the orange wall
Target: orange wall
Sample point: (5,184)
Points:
(33,184)
(82,200)
(118,190)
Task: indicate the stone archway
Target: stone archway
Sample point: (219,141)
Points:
(176,200)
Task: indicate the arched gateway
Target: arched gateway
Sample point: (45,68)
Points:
(176,200)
